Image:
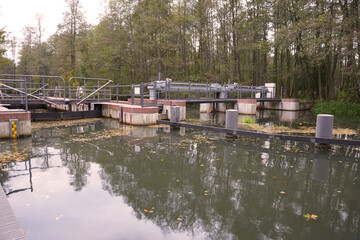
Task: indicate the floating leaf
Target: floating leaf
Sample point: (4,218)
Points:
(310,217)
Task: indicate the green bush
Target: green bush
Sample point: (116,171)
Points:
(337,108)
(248,119)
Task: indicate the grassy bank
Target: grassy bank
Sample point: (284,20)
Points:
(339,109)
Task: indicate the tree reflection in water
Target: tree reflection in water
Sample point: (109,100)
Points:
(231,188)
(199,181)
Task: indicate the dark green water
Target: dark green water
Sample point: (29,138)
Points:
(108,181)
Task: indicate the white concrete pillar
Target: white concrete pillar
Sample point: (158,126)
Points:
(152,92)
(232,119)
(221,107)
(246,106)
(206,107)
(271,90)
(175,114)
(324,127)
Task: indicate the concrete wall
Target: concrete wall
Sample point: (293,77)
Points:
(206,107)
(246,106)
(167,104)
(289,105)
(24,123)
(134,115)
(74,107)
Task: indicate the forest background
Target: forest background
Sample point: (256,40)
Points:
(309,48)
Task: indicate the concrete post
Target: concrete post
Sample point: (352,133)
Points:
(206,107)
(221,107)
(324,127)
(152,92)
(232,119)
(271,90)
(174,114)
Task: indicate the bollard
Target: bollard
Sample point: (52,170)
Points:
(232,118)
(174,114)
(324,128)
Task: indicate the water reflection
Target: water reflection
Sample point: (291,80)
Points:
(321,166)
(208,186)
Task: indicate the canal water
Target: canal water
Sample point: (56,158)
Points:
(288,120)
(103,180)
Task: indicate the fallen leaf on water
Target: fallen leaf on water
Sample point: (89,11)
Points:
(310,216)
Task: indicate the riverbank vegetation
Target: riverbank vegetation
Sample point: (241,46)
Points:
(311,49)
(339,109)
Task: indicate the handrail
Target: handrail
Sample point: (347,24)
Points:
(28,94)
(85,78)
(40,76)
(110,81)
(40,88)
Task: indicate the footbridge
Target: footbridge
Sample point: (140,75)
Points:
(143,103)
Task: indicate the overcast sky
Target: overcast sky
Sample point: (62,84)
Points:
(16,14)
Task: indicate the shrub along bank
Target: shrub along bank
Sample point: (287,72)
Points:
(339,109)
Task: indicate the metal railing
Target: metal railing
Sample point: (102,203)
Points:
(168,90)
(54,89)
(95,86)
(43,85)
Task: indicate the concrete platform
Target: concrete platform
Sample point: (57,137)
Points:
(246,106)
(130,114)
(24,122)
(9,226)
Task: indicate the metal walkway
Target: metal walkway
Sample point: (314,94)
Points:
(10,228)
(28,90)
